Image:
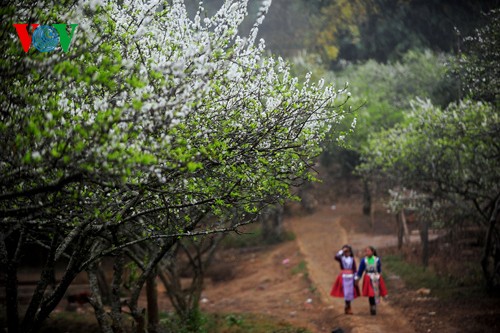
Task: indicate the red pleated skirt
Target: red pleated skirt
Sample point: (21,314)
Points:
(368,288)
(338,288)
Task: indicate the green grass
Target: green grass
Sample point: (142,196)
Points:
(250,323)
(416,277)
(252,237)
(229,323)
(209,323)
(301,267)
(62,322)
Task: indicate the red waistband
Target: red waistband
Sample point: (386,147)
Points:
(347,271)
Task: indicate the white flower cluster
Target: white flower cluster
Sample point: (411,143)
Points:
(155,90)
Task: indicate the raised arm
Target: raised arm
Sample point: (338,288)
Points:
(338,256)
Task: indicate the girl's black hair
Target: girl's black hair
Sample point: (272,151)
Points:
(350,249)
(373,250)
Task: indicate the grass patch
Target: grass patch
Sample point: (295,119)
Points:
(228,323)
(416,276)
(62,322)
(300,268)
(250,323)
(73,322)
(251,236)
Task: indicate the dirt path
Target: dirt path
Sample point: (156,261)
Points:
(319,236)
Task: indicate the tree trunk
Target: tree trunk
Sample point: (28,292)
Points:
(11,287)
(47,277)
(272,223)
(103,286)
(96,300)
(278,222)
(49,304)
(405,227)
(265,218)
(489,273)
(181,299)
(186,301)
(367,198)
(152,299)
(170,280)
(72,269)
(140,321)
(11,299)
(424,237)
(195,292)
(116,304)
(399,228)
(137,314)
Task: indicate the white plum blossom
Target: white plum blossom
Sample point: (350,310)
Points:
(153,118)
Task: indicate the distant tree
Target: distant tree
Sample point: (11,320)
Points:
(449,155)
(477,64)
(381,97)
(386,29)
(338,26)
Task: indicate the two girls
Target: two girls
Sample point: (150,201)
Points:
(346,284)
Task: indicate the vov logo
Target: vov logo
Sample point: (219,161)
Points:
(45,38)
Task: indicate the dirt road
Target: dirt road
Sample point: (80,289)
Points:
(319,236)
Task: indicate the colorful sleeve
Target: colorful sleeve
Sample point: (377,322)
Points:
(361,269)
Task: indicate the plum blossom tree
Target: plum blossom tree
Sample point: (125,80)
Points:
(450,156)
(152,122)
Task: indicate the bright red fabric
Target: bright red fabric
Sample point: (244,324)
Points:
(368,289)
(338,289)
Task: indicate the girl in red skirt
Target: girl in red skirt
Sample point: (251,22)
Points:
(344,284)
(373,283)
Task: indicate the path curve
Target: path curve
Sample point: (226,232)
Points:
(319,236)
